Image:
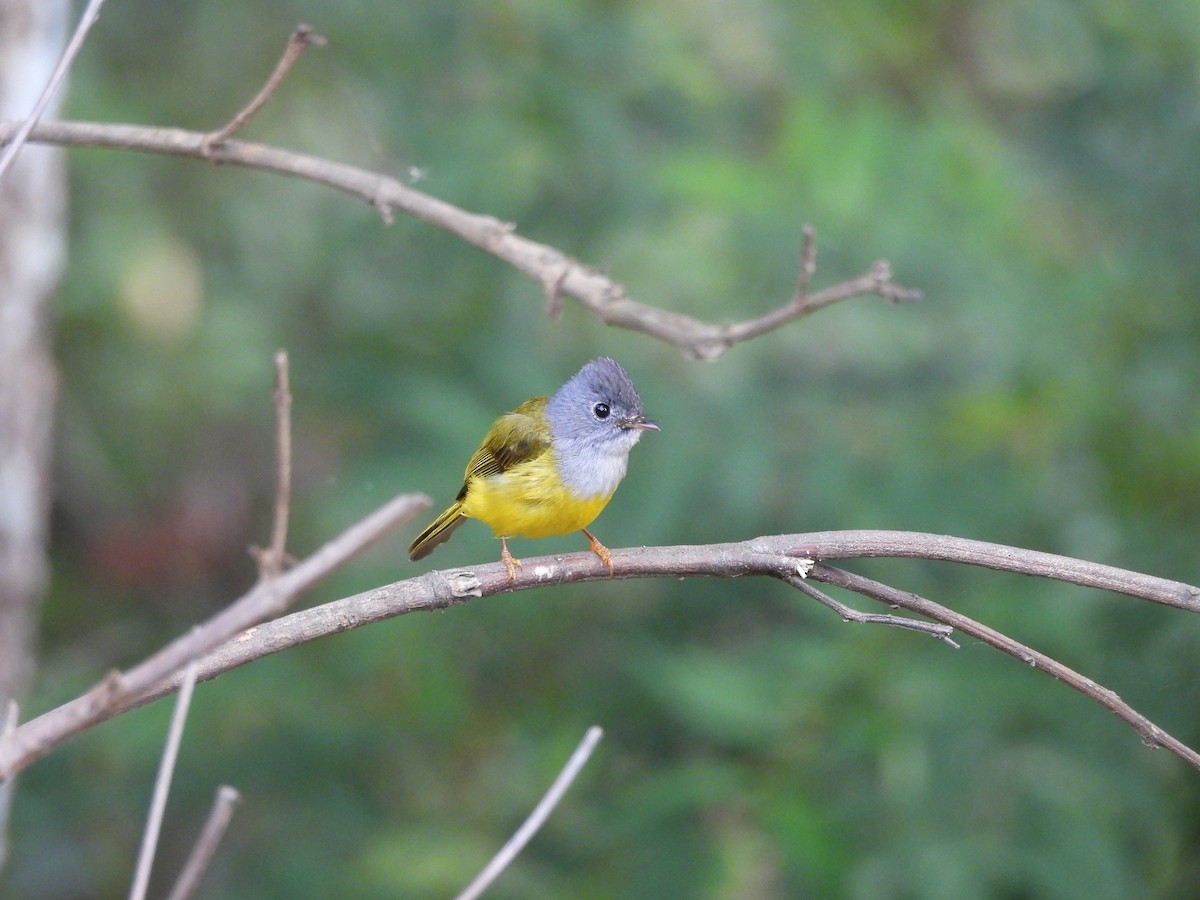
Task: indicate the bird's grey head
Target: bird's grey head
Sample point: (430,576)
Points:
(595,419)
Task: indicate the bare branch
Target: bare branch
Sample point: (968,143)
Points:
(17,140)
(271,560)
(537,818)
(1152,736)
(849,614)
(558,274)
(302,37)
(162,786)
(214,829)
(36,738)
(779,556)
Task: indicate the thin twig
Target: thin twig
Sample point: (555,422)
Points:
(86,21)
(271,560)
(202,853)
(808,265)
(162,786)
(849,614)
(537,818)
(302,37)
(1152,736)
(590,287)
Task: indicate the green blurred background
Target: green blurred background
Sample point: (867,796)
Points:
(1032,165)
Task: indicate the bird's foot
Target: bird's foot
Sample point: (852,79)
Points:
(510,561)
(600,550)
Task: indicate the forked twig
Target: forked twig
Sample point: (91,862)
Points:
(849,614)
(515,844)
(302,37)
(558,274)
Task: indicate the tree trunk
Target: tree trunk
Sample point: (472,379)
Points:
(32,237)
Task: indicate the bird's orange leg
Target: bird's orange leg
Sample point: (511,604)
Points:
(509,560)
(600,550)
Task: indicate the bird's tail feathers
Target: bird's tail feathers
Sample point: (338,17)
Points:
(437,533)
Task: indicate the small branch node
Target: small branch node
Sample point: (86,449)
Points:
(497,232)
(552,281)
(465,584)
(808,265)
(112,687)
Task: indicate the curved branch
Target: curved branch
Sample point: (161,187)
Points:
(1152,736)
(557,273)
(786,557)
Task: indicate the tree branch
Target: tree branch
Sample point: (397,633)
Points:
(1152,736)
(558,274)
(214,829)
(302,37)
(162,786)
(537,818)
(86,21)
(268,598)
(786,557)
(272,559)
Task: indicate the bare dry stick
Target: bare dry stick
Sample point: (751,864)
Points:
(1152,736)
(214,829)
(162,786)
(302,37)
(35,738)
(514,845)
(786,557)
(271,560)
(557,273)
(86,21)
(849,614)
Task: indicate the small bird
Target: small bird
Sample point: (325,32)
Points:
(550,466)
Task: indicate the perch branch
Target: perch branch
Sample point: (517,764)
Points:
(302,37)
(780,556)
(515,844)
(557,274)
(214,829)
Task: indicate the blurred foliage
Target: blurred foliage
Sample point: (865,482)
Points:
(1030,164)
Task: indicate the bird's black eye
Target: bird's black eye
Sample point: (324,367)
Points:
(601,410)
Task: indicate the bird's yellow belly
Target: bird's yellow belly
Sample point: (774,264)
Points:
(529,500)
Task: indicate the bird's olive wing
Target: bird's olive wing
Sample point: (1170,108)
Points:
(514,438)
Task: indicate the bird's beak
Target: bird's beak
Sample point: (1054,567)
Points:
(641,423)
